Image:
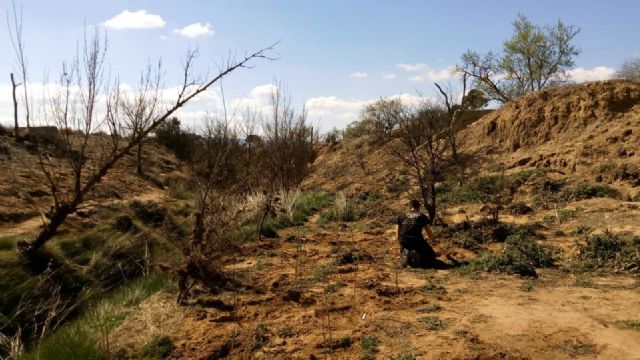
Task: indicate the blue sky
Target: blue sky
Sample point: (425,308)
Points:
(334,55)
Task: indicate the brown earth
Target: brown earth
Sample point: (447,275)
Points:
(306,304)
(307,299)
(26,196)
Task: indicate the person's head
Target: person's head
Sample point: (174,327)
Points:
(414,204)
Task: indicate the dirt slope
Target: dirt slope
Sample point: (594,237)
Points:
(573,127)
(25,196)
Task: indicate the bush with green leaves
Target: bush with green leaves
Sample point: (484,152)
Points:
(521,255)
(626,172)
(158,348)
(583,191)
(608,250)
(369,345)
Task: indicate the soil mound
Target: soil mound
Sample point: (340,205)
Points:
(590,120)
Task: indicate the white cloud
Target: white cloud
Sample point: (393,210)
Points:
(358,74)
(411,67)
(597,73)
(196,30)
(435,75)
(389,76)
(163,37)
(135,20)
(332,111)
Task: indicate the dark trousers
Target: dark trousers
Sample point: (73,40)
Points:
(417,253)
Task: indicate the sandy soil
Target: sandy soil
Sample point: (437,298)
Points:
(303,301)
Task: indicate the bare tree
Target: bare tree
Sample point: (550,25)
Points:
(630,69)
(15,106)
(217,210)
(74,109)
(452,110)
(423,146)
(288,142)
(14,24)
(141,108)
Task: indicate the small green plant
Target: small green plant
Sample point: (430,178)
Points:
(527,286)
(585,283)
(631,324)
(160,347)
(285,332)
(582,230)
(369,345)
(433,323)
(407,356)
(7,243)
(430,308)
(575,347)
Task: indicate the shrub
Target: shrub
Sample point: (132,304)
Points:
(626,172)
(8,243)
(398,185)
(619,252)
(158,348)
(433,323)
(520,255)
(369,345)
(585,191)
(149,212)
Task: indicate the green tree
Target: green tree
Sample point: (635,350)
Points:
(475,100)
(535,57)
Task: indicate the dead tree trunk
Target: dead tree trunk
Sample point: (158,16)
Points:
(15,106)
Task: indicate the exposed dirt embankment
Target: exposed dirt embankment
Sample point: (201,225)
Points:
(571,127)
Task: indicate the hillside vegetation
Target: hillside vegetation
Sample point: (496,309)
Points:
(538,240)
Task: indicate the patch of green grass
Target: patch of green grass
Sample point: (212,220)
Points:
(7,243)
(343,209)
(406,356)
(286,332)
(160,347)
(80,247)
(433,323)
(585,283)
(631,324)
(523,176)
(305,205)
(432,288)
(430,308)
(575,347)
(369,345)
(451,193)
(527,286)
(320,274)
(70,343)
(81,338)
